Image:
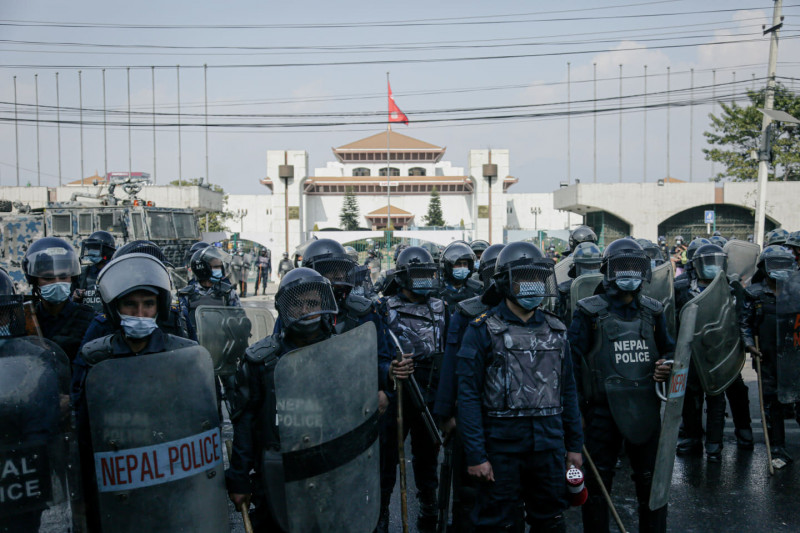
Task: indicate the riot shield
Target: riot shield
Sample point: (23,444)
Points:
(582,287)
(717,351)
(562,269)
(661,288)
(262,322)
(673,408)
(157,444)
(327,403)
(40,479)
(742,257)
(226,333)
(788,365)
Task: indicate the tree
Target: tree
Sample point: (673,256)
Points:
(349,216)
(736,132)
(216,219)
(434,216)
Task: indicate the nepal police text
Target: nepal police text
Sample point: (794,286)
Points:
(635,351)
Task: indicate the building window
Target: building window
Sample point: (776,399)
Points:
(392,171)
(361,171)
(416,171)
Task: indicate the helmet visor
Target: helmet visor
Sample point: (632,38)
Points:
(707,265)
(532,280)
(628,266)
(423,277)
(12,316)
(306,301)
(772,264)
(338,270)
(53,262)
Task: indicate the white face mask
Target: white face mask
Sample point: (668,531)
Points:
(137,327)
(55,293)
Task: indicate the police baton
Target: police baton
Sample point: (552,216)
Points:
(243,508)
(401,452)
(761,405)
(603,489)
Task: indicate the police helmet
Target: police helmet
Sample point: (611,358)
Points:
(50,257)
(716,233)
(330,259)
(694,245)
(775,261)
(625,259)
(679,240)
(793,240)
(99,244)
(479,246)
(142,247)
(133,272)
(203,259)
(400,248)
(416,271)
(581,234)
(352,253)
(305,300)
(708,260)
(719,240)
(662,240)
(586,259)
(523,271)
(12,315)
(192,249)
(455,252)
(488,261)
(652,251)
(776,236)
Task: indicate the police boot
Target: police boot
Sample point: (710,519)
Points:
(744,438)
(777,440)
(689,446)
(649,521)
(715,424)
(595,511)
(426,522)
(551,525)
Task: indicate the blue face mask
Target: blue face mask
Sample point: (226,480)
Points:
(137,327)
(216,274)
(94,256)
(653,264)
(530,302)
(55,293)
(779,275)
(709,271)
(477,264)
(460,273)
(628,284)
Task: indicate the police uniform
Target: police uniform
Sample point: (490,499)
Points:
(452,295)
(562,303)
(614,348)
(66,328)
(88,283)
(194,295)
(422,325)
(176,324)
(518,410)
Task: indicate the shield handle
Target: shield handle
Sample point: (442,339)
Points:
(661,387)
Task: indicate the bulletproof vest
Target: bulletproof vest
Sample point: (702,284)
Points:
(101,349)
(523,372)
(353,311)
(623,349)
(88,282)
(453,296)
(472,307)
(70,333)
(218,295)
(766,316)
(262,357)
(422,324)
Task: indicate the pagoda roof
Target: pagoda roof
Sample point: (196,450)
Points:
(396,141)
(396,212)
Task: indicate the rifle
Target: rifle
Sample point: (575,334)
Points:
(418,400)
(445,485)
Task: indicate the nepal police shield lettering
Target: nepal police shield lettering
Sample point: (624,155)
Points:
(788,310)
(157,443)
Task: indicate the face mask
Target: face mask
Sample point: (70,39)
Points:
(216,274)
(460,273)
(530,302)
(652,264)
(584,270)
(137,327)
(629,284)
(422,292)
(477,264)
(779,275)
(709,271)
(94,256)
(55,293)
(307,326)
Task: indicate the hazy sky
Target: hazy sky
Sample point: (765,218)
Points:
(312,75)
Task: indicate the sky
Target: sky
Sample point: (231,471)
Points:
(312,75)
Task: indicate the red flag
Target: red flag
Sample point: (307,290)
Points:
(395,115)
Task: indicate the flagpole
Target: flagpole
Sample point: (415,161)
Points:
(388,179)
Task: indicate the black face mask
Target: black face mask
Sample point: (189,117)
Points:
(306,327)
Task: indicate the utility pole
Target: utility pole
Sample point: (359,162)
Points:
(620,122)
(180,173)
(105,133)
(594,66)
(153,91)
(644,143)
(668,113)
(130,157)
(16,128)
(763,156)
(58,128)
(691,122)
(205,92)
(38,158)
(569,125)
(80,106)
(713,108)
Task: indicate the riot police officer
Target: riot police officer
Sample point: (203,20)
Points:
(776,236)
(758,319)
(307,307)
(51,267)
(96,251)
(209,286)
(478,246)
(619,340)
(187,260)
(263,270)
(652,251)
(419,320)
(687,265)
(285,265)
(518,438)
(458,264)
(586,259)
(793,243)
(719,240)
(135,289)
(579,235)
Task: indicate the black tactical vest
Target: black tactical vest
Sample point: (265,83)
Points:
(353,311)
(453,296)
(523,373)
(766,312)
(218,295)
(101,349)
(422,324)
(70,333)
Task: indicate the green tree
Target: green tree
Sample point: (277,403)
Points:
(216,219)
(349,216)
(434,216)
(736,132)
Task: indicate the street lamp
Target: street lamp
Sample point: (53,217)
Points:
(536,211)
(240,214)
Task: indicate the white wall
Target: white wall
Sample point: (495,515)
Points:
(478,158)
(520,216)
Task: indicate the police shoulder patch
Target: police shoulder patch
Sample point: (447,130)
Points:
(97,350)
(593,305)
(264,350)
(553,320)
(651,304)
(480,319)
(472,307)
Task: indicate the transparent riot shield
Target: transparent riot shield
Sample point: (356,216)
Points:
(717,351)
(788,361)
(40,486)
(225,332)
(157,444)
(562,269)
(262,322)
(742,257)
(582,287)
(673,396)
(327,403)
(661,288)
